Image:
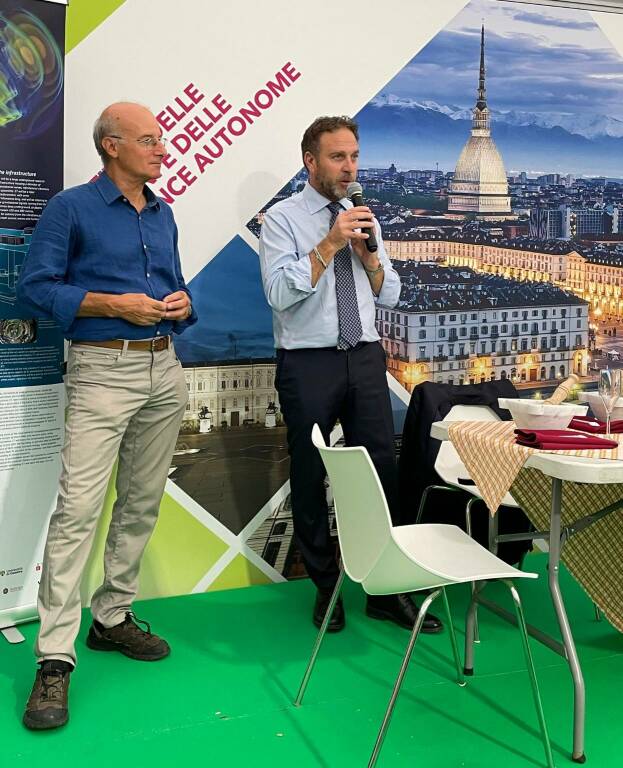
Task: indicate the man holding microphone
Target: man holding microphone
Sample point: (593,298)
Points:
(323,285)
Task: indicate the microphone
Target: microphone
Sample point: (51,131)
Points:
(354,191)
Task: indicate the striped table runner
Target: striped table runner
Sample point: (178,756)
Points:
(493,458)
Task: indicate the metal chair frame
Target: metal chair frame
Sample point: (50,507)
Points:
(392,552)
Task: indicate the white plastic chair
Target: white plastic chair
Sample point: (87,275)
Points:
(387,560)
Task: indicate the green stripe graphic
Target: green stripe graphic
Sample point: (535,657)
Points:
(83,16)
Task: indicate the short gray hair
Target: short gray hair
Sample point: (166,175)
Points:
(104,126)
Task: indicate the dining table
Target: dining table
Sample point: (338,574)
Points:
(574,500)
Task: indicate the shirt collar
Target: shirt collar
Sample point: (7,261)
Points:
(316,202)
(151,199)
(111,192)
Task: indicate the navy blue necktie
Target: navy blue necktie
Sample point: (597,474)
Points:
(347,307)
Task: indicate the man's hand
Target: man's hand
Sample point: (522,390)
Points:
(136,308)
(139,309)
(178,306)
(347,227)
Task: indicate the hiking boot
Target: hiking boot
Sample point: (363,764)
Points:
(48,706)
(129,639)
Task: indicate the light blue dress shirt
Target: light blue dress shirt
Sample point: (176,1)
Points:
(304,316)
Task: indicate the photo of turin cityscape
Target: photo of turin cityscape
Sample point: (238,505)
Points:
(494,163)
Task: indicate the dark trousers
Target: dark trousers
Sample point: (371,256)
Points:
(321,386)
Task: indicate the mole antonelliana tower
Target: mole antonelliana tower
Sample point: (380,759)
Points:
(479,187)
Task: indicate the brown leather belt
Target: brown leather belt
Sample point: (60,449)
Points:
(157,344)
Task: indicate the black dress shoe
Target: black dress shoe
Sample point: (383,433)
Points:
(337,621)
(402,611)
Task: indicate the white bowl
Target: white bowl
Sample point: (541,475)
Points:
(535,414)
(599,409)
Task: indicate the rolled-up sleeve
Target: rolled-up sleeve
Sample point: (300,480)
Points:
(42,282)
(390,290)
(286,274)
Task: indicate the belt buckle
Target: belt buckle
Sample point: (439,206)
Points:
(158,343)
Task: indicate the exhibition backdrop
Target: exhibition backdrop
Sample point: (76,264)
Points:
(233,86)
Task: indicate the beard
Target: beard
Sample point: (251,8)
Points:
(329,189)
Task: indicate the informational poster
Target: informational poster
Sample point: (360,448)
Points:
(31,348)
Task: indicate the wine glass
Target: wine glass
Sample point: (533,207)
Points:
(609,390)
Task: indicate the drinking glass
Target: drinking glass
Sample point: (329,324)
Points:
(609,390)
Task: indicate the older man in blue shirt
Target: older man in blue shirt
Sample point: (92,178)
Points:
(323,285)
(104,264)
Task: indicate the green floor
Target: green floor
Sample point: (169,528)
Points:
(224,696)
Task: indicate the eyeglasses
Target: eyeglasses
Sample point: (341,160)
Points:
(147,142)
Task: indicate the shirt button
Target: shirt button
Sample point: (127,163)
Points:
(148,274)
(144,247)
(157,333)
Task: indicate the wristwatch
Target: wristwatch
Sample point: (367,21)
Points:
(372,272)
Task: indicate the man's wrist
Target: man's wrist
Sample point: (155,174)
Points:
(328,248)
(319,257)
(100,305)
(374,270)
(115,305)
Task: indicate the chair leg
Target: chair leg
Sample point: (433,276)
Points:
(521,623)
(468,528)
(319,639)
(405,663)
(470,629)
(420,509)
(455,648)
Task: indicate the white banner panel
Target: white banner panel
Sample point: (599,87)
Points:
(32,433)
(343,54)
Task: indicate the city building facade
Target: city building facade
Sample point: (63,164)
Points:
(455,326)
(596,276)
(234,393)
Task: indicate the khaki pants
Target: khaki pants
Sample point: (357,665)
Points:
(128,405)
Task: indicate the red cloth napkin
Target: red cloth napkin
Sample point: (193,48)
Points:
(561,440)
(595,427)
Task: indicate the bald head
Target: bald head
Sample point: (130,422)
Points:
(119,119)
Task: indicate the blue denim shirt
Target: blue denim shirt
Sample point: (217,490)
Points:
(90,239)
